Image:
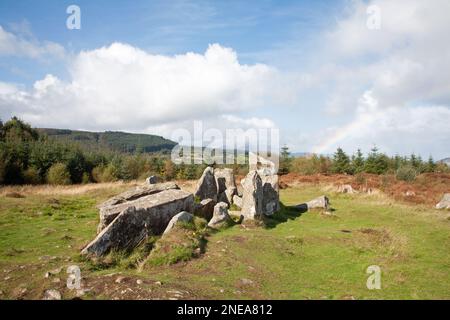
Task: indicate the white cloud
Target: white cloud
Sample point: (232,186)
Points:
(26,46)
(393,130)
(123,87)
(403,67)
(252,122)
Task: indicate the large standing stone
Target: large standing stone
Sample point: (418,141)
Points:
(111,208)
(207,185)
(252,196)
(226,185)
(262,165)
(271,199)
(220,217)
(183,216)
(237,201)
(445,202)
(205,208)
(139,218)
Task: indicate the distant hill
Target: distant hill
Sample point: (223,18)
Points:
(112,140)
(300,154)
(446,161)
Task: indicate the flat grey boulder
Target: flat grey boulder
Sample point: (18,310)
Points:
(205,208)
(183,216)
(140,218)
(220,217)
(111,208)
(252,196)
(445,202)
(207,185)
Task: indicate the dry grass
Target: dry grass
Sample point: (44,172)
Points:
(49,190)
(427,189)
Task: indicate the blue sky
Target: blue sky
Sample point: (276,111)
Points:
(313,69)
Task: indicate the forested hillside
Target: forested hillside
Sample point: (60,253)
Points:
(112,140)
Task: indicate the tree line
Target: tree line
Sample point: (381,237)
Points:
(404,167)
(376,162)
(30,157)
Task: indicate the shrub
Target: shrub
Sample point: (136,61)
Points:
(406,173)
(110,173)
(97,173)
(58,174)
(31,176)
(86,178)
(360,179)
(107,173)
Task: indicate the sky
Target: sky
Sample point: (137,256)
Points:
(326,74)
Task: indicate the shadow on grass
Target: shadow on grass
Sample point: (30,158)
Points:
(284,214)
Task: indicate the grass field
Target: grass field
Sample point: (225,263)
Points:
(308,256)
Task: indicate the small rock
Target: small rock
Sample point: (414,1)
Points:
(19,292)
(158,283)
(346,188)
(151,180)
(56,280)
(82,292)
(52,295)
(120,279)
(245,281)
(56,271)
(139,282)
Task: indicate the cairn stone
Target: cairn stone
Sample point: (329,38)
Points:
(252,196)
(183,216)
(271,198)
(226,185)
(220,217)
(111,208)
(207,185)
(145,216)
(321,202)
(205,209)
(237,201)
